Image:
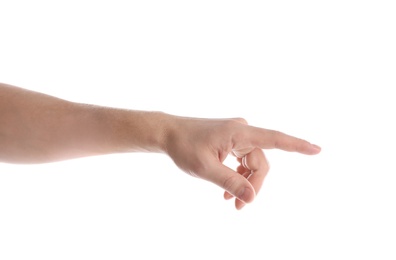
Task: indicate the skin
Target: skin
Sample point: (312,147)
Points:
(38,128)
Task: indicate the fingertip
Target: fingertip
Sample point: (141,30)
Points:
(239,204)
(316,148)
(246,195)
(308,148)
(227,196)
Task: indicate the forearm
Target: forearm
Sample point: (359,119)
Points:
(37,128)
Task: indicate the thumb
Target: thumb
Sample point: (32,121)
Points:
(232,182)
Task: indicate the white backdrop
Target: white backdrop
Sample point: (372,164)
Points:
(320,70)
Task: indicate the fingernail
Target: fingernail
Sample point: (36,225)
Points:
(246,195)
(316,147)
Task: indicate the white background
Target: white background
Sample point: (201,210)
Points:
(320,70)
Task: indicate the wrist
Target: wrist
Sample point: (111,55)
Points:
(165,130)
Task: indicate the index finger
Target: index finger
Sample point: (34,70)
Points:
(270,139)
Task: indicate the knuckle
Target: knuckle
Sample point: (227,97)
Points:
(239,137)
(256,161)
(229,128)
(229,124)
(241,120)
(275,134)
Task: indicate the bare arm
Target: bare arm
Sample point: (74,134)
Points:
(37,128)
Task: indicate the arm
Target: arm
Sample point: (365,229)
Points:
(37,128)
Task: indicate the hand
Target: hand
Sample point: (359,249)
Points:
(200,146)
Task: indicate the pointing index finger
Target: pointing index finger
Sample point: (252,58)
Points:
(270,139)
